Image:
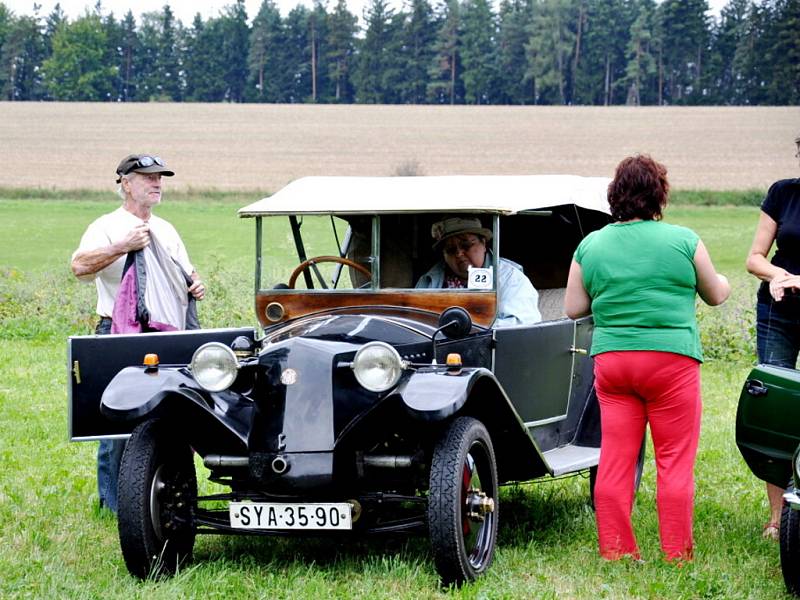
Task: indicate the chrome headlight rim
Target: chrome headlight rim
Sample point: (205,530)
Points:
(230,366)
(396,366)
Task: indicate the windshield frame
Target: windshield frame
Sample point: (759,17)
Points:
(374,260)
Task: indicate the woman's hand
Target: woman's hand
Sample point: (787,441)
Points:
(779,285)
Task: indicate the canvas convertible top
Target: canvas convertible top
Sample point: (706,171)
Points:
(500,194)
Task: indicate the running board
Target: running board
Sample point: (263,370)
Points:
(569,459)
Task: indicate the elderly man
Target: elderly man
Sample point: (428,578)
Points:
(462,242)
(101,257)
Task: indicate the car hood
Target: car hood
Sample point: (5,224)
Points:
(354,329)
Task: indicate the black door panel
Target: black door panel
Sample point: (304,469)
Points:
(534,366)
(94,360)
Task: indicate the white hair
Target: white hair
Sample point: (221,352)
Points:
(120,190)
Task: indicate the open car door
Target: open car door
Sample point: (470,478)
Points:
(94,360)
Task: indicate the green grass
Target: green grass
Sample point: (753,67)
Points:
(239,197)
(242,197)
(57,544)
(717,198)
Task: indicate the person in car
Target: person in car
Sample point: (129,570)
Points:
(101,258)
(639,278)
(462,242)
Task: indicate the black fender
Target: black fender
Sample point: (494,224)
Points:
(440,395)
(138,393)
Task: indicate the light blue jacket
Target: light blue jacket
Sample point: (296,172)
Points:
(518,299)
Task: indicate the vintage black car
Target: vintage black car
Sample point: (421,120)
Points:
(768,436)
(366,405)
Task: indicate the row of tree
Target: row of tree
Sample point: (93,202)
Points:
(600,52)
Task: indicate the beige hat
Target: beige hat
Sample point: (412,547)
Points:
(441,230)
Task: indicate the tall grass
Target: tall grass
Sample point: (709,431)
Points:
(407,168)
(237,197)
(717,198)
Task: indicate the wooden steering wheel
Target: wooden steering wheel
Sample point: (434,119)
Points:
(319,259)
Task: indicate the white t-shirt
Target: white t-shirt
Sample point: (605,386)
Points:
(112,228)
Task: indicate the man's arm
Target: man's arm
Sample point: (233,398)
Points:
(93,261)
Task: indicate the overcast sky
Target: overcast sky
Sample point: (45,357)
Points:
(185,11)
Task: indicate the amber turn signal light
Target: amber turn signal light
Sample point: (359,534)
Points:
(454,360)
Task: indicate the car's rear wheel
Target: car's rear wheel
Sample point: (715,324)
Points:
(790,547)
(463,502)
(157,498)
(638,475)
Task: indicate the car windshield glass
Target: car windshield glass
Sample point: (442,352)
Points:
(315,252)
(432,251)
(337,253)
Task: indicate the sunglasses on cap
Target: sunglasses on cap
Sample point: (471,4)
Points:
(143,162)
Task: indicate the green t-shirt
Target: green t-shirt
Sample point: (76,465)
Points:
(642,281)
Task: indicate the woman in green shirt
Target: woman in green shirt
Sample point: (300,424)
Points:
(638,277)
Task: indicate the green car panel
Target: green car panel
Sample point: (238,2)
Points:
(768,422)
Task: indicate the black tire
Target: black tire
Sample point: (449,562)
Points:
(638,476)
(157,498)
(790,547)
(463,475)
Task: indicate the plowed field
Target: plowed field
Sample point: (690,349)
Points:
(249,147)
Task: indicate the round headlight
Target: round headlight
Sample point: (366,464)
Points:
(214,366)
(377,366)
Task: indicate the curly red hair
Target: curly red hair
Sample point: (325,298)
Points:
(639,189)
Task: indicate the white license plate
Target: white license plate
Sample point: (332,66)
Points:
(273,515)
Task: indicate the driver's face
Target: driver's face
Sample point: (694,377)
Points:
(464,251)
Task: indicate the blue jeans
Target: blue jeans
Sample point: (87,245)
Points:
(109,452)
(109,457)
(778,333)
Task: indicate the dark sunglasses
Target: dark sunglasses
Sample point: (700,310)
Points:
(145,161)
(463,245)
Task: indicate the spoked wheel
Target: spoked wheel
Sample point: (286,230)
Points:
(157,498)
(638,475)
(463,503)
(790,547)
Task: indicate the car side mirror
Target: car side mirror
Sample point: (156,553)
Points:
(455,323)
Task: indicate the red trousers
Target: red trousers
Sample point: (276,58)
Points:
(636,388)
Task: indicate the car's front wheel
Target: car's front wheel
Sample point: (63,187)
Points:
(157,497)
(463,502)
(790,547)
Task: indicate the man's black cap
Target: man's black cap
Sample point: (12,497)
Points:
(142,163)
